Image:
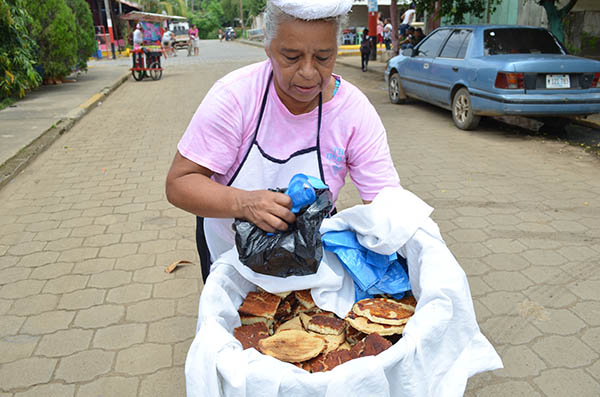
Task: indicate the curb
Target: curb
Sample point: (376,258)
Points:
(17,163)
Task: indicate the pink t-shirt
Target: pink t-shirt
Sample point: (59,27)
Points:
(352,140)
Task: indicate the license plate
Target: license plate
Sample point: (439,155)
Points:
(558,81)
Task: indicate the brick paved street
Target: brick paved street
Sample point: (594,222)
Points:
(86,308)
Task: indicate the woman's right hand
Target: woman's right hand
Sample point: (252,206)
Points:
(268,210)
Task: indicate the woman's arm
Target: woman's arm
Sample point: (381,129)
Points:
(190,188)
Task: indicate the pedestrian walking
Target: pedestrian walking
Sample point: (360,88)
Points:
(167,41)
(365,50)
(221,34)
(266,122)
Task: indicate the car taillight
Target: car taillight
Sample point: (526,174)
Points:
(509,81)
(596,82)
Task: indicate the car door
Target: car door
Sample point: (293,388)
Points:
(416,74)
(449,67)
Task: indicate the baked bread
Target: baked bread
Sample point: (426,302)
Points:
(384,311)
(292,346)
(249,335)
(333,341)
(262,304)
(372,345)
(362,324)
(409,300)
(353,336)
(305,299)
(325,324)
(294,323)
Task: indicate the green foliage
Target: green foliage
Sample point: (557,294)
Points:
(17,52)
(556,16)
(54,30)
(250,8)
(175,7)
(457,9)
(208,19)
(84,30)
(150,6)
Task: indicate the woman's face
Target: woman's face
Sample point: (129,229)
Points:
(303,56)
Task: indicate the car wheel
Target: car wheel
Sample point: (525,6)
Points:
(395,90)
(462,111)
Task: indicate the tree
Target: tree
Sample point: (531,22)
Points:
(17,51)
(556,15)
(457,9)
(84,30)
(54,30)
(208,19)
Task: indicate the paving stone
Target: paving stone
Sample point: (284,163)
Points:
(66,284)
(586,289)
(544,257)
(93,266)
(119,336)
(174,329)
(21,289)
(564,351)
(84,366)
(509,330)
(134,262)
(110,386)
(588,311)
(8,261)
(12,274)
(97,211)
(47,322)
(34,304)
(88,230)
(16,347)
(567,382)
(140,236)
(124,228)
(49,390)
(551,275)
(64,244)
(78,254)
(53,234)
(591,336)
(507,281)
(27,372)
(151,310)
(152,274)
(77,222)
(27,248)
(513,388)
(177,288)
(502,302)
(129,293)
(556,296)
(102,240)
(10,325)
(144,359)
(594,370)
(99,316)
(180,351)
(51,271)
(188,306)
(64,343)
(110,219)
(157,246)
(5,305)
(39,259)
(118,250)
(166,382)
(82,299)
(560,321)
(110,279)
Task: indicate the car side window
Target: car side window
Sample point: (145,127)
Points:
(430,47)
(457,44)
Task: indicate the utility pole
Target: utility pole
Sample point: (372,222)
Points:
(373,28)
(110,28)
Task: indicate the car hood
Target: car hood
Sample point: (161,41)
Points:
(543,63)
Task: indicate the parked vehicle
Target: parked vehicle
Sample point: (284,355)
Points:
(182,38)
(493,70)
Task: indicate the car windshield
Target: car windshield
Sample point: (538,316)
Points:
(519,41)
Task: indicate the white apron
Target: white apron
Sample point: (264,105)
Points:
(260,171)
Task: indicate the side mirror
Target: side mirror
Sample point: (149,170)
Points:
(409,52)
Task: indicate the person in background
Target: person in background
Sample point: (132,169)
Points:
(221,34)
(261,124)
(194,40)
(407,19)
(167,41)
(408,39)
(365,50)
(380,26)
(387,34)
(418,36)
(138,41)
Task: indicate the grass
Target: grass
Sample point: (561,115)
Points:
(6,102)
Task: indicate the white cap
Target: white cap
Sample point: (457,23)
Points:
(313,9)
(139,26)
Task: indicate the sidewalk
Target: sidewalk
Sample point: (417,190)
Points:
(33,123)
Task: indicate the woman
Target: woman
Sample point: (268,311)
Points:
(261,124)
(365,50)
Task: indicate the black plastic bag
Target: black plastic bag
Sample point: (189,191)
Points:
(295,252)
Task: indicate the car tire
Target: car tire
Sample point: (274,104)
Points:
(395,90)
(462,111)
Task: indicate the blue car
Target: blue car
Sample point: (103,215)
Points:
(476,70)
